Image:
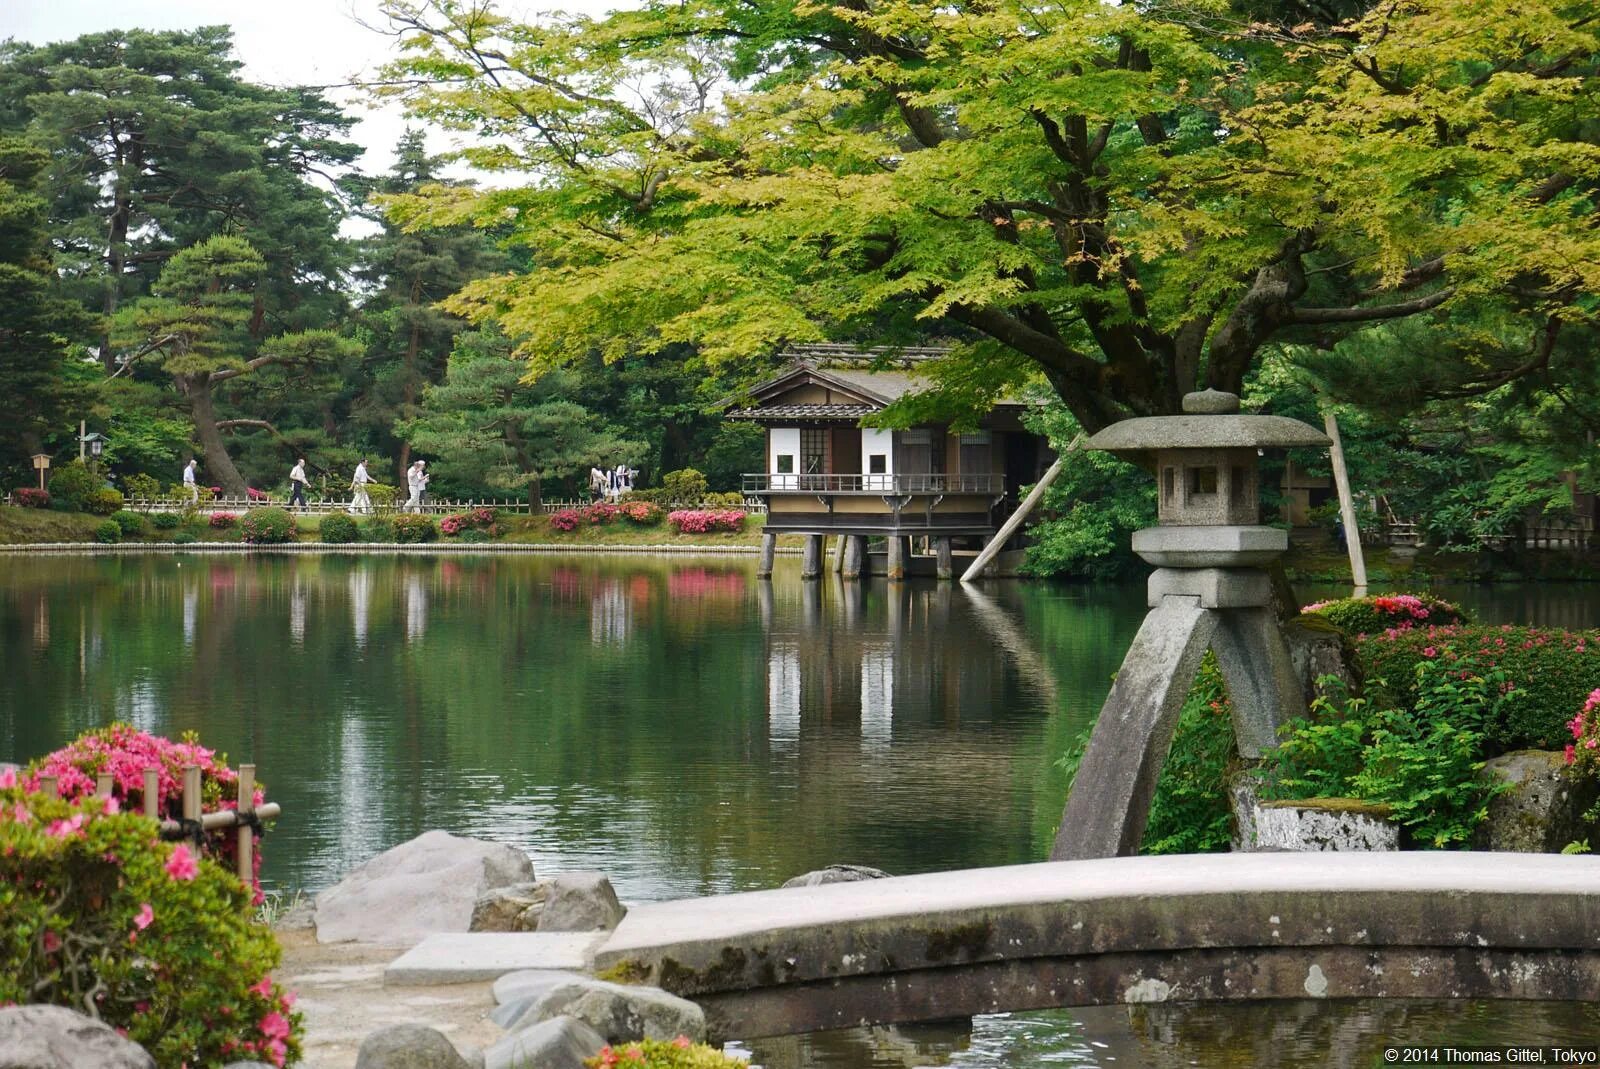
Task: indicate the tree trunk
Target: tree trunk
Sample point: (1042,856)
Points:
(219,469)
(116,252)
(535,496)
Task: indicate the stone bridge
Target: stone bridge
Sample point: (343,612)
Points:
(1151,929)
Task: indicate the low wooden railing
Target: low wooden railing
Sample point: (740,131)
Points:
(937,483)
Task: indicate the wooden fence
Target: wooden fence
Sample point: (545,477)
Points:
(430,506)
(245,817)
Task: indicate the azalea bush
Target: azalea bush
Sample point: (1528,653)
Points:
(1551,672)
(30,497)
(99,915)
(223,521)
(1584,749)
(641,513)
(566,519)
(663,1054)
(124,752)
(338,530)
(411,529)
(108,533)
(1387,612)
(102,501)
(131,523)
(600,513)
(479,519)
(267,527)
(706,521)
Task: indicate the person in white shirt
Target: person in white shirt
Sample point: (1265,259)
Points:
(359,501)
(189,486)
(417,483)
(298,483)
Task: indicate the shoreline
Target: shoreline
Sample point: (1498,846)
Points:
(424,548)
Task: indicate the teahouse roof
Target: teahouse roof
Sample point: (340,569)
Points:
(873,377)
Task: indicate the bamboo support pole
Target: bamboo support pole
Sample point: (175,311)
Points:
(223,818)
(1018,517)
(1347,505)
(247,805)
(152,788)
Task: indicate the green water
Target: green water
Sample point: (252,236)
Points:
(675,724)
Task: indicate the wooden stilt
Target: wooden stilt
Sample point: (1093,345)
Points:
(944,559)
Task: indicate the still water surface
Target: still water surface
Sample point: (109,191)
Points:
(671,722)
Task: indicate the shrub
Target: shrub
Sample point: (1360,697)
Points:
(71,485)
(731,499)
(475,536)
(131,523)
(382,497)
(268,527)
(165,521)
(339,530)
(701,521)
(410,528)
(1585,727)
(641,513)
(1385,612)
(664,1054)
(1191,813)
(143,486)
(1550,670)
(378,530)
(600,513)
(185,538)
(566,519)
(102,501)
(223,520)
(479,519)
(30,497)
(108,533)
(102,916)
(685,486)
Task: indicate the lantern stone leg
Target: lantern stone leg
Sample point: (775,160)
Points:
(1110,801)
(1263,688)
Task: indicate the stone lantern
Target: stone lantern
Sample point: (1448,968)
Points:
(1210,590)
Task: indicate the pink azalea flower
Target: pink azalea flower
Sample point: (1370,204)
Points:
(51,941)
(263,987)
(277,1052)
(142,919)
(1571,753)
(274,1025)
(181,865)
(8,779)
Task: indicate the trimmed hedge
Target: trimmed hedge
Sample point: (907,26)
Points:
(1386,612)
(339,530)
(108,533)
(132,523)
(267,527)
(410,529)
(165,521)
(102,502)
(30,497)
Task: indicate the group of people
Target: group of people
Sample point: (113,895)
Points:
(611,483)
(299,483)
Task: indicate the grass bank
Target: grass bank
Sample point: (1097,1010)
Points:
(20,527)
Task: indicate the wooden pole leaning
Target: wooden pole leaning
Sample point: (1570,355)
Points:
(1017,518)
(1347,505)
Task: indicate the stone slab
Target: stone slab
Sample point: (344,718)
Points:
(1210,546)
(463,957)
(1217,588)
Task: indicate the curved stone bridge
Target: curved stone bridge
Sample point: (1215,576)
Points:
(1075,933)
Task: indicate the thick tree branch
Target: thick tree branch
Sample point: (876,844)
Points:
(1370,313)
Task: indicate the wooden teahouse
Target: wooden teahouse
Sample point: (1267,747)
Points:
(826,474)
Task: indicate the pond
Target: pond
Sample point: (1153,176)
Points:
(672,722)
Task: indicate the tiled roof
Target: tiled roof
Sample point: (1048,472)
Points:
(803,412)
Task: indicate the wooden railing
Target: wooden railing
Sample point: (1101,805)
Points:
(937,483)
(325,505)
(751,504)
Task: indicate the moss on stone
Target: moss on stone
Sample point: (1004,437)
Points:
(1375,810)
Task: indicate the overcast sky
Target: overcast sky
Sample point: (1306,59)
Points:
(281,42)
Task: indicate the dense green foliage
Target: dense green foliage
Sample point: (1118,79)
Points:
(269,526)
(1089,512)
(663,1054)
(408,529)
(338,529)
(1385,612)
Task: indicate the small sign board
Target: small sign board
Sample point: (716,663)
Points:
(41,461)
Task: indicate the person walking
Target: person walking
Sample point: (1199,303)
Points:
(189,487)
(298,483)
(360,503)
(417,483)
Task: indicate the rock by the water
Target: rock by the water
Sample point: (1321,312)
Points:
(408,1046)
(621,1013)
(580,902)
(1543,810)
(427,885)
(559,1043)
(1317,649)
(510,909)
(836,874)
(53,1037)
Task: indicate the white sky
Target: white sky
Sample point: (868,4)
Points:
(280,42)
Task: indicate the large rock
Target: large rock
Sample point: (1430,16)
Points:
(836,874)
(1319,824)
(408,1046)
(580,902)
(559,1043)
(53,1037)
(621,1013)
(427,885)
(1317,649)
(510,909)
(1543,810)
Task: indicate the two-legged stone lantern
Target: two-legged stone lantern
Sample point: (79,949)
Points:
(1210,589)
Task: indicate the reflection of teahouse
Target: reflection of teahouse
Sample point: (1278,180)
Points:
(826,474)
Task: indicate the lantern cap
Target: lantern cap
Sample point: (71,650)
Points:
(1211,420)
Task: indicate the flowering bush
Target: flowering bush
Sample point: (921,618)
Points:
(267,527)
(253,494)
(478,519)
(103,917)
(1550,670)
(338,530)
(1585,727)
(30,497)
(641,513)
(663,1054)
(125,752)
(1385,612)
(704,521)
(566,519)
(223,520)
(600,513)
(410,528)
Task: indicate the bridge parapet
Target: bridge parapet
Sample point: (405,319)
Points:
(1191,928)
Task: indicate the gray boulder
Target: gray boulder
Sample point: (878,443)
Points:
(836,874)
(524,984)
(53,1037)
(621,1013)
(427,885)
(560,1043)
(1317,649)
(1543,810)
(510,909)
(580,902)
(408,1046)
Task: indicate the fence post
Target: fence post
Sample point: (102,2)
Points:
(102,785)
(247,804)
(152,785)
(49,786)
(191,792)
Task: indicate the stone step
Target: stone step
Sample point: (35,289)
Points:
(465,957)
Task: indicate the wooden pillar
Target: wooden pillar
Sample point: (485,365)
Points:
(945,564)
(811,562)
(152,780)
(838,553)
(769,551)
(897,557)
(1347,505)
(855,552)
(247,839)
